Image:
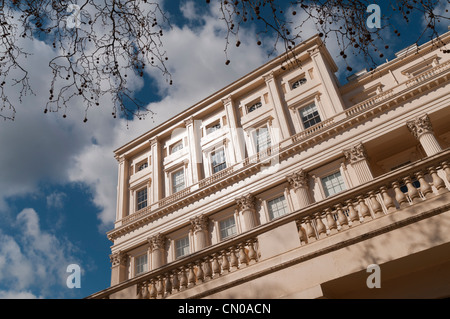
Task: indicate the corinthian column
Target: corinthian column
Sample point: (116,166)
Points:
(118,267)
(158,249)
(200,229)
(422,130)
(299,182)
(246,205)
(357,157)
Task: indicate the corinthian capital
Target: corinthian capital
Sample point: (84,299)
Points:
(246,202)
(420,125)
(157,241)
(298,179)
(356,153)
(118,258)
(199,223)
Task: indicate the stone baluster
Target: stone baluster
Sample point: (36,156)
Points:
(167,284)
(153,291)
(191,276)
(175,282)
(200,272)
(438,182)
(352,214)
(425,187)
(376,206)
(215,266)
(320,226)
(225,262)
(310,233)
(160,287)
(252,254)
(364,211)
(446,168)
(399,196)
(387,200)
(234,263)
(207,268)
(183,279)
(331,222)
(243,260)
(301,232)
(412,191)
(342,219)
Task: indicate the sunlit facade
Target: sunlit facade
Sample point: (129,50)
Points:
(287,184)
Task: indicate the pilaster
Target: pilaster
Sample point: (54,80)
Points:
(357,157)
(246,205)
(422,130)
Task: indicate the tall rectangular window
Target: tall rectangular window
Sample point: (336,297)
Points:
(141,264)
(333,184)
(141,199)
(182,247)
(277,207)
(262,139)
(177,181)
(310,115)
(227,227)
(218,160)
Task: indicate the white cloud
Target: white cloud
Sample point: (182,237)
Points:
(56,200)
(33,258)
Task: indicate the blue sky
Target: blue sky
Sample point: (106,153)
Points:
(58,177)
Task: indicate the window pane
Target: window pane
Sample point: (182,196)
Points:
(142,199)
(182,247)
(176,147)
(213,128)
(177,181)
(297,83)
(333,184)
(310,116)
(262,139)
(218,160)
(255,106)
(227,227)
(141,264)
(277,207)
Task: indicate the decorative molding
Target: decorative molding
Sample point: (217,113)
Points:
(420,125)
(189,121)
(118,259)
(246,202)
(298,179)
(227,100)
(157,241)
(199,223)
(356,153)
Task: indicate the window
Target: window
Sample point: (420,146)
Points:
(262,139)
(310,115)
(213,127)
(182,247)
(141,199)
(298,83)
(254,106)
(142,166)
(277,207)
(333,184)
(227,227)
(176,147)
(218,161)
(141,264)
(178,181)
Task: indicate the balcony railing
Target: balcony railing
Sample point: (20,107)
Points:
(295,140)
(379,198)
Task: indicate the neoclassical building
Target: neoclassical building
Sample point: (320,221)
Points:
(287,184)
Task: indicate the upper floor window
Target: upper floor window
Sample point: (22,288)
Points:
(254,106)
(142,166)
(176,147)
(297,83)
(218,160)
(333,184)
(310,115)
(262,139)
(178,181)
(277,207)
(213,127)
(182,247)
(141,199)
(227,228)
(140,264)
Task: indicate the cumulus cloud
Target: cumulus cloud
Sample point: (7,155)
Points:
(32,259)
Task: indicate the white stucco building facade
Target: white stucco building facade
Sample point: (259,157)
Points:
(287,184)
